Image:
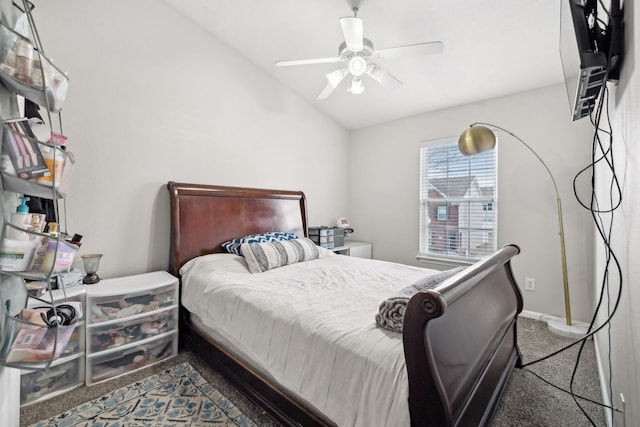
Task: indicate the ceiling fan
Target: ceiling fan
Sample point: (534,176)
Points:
(357,54)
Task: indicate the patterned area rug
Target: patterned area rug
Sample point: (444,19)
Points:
(176,397)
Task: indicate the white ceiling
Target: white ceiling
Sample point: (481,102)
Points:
(491,48)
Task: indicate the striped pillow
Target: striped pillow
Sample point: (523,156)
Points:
(265,256)
(233,246)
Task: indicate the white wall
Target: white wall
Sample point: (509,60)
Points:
(384,190)
(154,98)
(621,371)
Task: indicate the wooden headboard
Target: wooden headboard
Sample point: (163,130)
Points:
(243,211)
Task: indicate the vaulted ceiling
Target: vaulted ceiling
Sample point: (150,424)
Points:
(491,48)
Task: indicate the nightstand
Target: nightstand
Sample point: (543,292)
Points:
(132,322)
(355,249)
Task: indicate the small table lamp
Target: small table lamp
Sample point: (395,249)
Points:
(91,263)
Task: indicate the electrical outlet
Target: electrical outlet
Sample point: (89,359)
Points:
(530,284)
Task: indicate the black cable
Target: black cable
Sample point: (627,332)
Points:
(600,224)
(607,277)
(610,254)
(614,202)
(595,402)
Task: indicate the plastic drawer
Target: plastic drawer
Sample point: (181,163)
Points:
(44,384)
(126,359)
(110,307)
(116,334)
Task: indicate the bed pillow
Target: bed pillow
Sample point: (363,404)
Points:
(219,262)
(267,255)
(233,246)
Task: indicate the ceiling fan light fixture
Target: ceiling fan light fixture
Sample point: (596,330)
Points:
(357,65)
(356,87)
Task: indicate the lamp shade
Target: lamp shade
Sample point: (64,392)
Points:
(476,139)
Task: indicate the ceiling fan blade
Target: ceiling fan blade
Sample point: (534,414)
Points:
(353,33)
(308,61)
(410,50)
(335,78)
(383,77)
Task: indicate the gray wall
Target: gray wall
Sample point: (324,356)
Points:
(154,98)
(621,371)
(384,190)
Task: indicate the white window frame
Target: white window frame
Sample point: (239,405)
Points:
(438,231)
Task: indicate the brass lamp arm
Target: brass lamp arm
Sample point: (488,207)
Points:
(563,253)
(555,186)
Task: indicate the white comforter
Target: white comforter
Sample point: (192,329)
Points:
(311,327)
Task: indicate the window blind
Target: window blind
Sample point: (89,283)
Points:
(458,201)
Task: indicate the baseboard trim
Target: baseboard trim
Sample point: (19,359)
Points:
(606,399)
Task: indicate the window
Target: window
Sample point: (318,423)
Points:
(458,202)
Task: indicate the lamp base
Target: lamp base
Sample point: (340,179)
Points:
(91,279)
(559,326)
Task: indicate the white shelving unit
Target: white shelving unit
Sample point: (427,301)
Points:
(25,72)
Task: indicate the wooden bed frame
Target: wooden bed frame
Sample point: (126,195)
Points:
(459,339)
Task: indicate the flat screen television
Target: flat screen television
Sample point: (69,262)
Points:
(590,50)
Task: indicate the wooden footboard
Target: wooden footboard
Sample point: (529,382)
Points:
(460,344)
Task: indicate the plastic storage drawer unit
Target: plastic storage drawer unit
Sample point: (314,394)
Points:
(110,335)
(132,323)
(40,385)
(129,358)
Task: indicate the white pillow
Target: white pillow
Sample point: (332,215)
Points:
(267,255)
(228,263)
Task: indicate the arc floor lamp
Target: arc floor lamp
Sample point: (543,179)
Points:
(477,139)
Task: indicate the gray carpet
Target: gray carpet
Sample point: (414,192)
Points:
(527,400)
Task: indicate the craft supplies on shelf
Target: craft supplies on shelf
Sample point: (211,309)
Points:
(31,166)
(25,71)
(35,163)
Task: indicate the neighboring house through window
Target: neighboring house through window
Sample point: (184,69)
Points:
(458,202)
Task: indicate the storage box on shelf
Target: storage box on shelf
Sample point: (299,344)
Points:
(36,255)
(132,323)
(323,236)
(67,370)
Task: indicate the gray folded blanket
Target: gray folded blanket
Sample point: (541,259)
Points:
(391,312)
